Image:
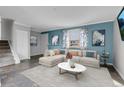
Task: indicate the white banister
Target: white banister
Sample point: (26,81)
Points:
(16,58)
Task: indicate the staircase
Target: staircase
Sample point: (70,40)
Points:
(6,57)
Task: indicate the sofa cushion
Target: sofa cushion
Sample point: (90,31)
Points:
(88,59)
(51,60)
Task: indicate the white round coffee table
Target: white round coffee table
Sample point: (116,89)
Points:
(75,71)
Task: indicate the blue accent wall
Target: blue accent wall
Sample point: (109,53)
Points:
(108,26)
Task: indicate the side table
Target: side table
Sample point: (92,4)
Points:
(105,59)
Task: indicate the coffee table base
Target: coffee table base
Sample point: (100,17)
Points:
(65,71)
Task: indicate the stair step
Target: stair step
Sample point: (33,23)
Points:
(4,47)
(6,57)
(3,41)
(4,44)
(5,51)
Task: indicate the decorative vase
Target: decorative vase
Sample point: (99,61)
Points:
(71,63)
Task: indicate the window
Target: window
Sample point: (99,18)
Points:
(65,39)
(83,39)
(75,38)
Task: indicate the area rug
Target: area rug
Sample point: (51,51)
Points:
(50,77)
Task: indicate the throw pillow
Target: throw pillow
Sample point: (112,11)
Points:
(52,53)
(74,53)
(62,51)
(80,54)
(89,54)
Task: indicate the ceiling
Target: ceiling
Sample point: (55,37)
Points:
(57,17)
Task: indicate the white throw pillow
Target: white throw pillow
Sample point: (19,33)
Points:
(52,53)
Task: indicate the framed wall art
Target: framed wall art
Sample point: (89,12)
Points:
(55,40)
(33,41)
(98,38)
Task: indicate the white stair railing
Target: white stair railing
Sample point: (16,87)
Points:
(16,58)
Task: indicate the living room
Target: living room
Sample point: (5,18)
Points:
(67,45)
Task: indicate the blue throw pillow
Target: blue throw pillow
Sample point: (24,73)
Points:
(62,51)
(89,54)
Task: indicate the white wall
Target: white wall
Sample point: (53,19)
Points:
(44,42)
(21,41)
(0,28)
(22,44)
(6,29)
(36,50)
(118,51)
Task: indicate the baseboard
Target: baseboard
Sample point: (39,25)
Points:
(122,76)
(107,63)
(110,64)
(37,55)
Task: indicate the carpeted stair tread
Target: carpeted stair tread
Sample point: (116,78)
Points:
(4,47)
(5,51)
(6,57)
(3,41)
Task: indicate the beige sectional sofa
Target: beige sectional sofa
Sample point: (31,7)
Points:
(51,60)
(53,57)
(83,59)
(88,61)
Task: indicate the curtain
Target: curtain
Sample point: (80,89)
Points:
(65,39)
(83,39)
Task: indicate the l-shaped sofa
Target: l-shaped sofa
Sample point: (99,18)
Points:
(85,57)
